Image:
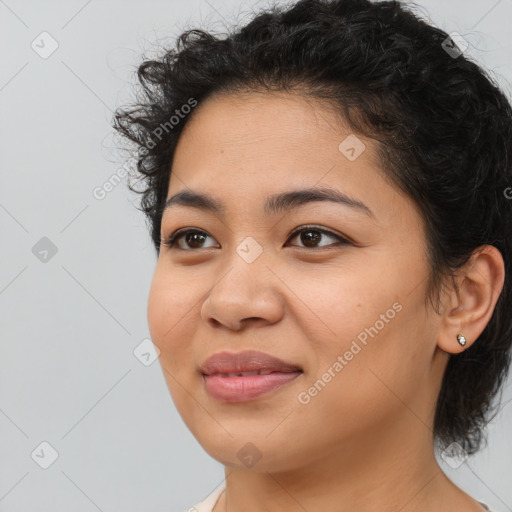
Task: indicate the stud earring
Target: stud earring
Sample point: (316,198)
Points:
(461,339)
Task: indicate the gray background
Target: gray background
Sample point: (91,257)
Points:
(70,323)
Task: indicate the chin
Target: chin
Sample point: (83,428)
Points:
(256,453)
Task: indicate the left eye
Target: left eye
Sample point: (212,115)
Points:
(309,237)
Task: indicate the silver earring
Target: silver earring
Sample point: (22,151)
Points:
(461,339)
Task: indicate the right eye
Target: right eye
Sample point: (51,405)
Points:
(192,237)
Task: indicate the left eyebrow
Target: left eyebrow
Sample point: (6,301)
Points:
(274,204)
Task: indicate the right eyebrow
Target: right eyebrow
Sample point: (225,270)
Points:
(274,204)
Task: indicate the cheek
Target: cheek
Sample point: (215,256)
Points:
(170,298)
(170,305)
(353,306)
(367,328)
(384,359)
(158,306)
(169,315)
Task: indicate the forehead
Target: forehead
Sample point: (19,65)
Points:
(292,116)
(271,132)
(245,147)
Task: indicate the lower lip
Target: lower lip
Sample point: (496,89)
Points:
(245,388)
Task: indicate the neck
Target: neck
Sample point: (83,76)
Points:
(396,470)
(388,465)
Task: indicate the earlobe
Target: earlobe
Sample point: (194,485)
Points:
(471,303)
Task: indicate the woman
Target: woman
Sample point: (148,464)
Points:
(328,190)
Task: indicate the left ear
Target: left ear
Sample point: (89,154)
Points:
(470,307)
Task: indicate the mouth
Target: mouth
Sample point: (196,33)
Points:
(245,376)
(228,363)
(248,374)
(245,386)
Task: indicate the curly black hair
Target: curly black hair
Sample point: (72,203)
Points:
(442,126)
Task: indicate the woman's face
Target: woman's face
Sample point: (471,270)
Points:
(350,315)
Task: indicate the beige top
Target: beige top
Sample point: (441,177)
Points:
(209,502)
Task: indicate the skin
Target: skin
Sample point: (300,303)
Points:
(365,441)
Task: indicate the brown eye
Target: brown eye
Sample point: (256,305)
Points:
(193,238)
(310,236)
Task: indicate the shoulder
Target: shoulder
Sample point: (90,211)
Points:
(486,506)
(207,504)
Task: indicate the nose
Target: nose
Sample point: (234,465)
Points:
(246,294)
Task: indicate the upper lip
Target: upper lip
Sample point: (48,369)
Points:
(247,361)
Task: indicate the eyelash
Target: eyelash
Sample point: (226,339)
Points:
(171,241)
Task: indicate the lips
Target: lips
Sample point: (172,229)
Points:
(245,376)
(246,363)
